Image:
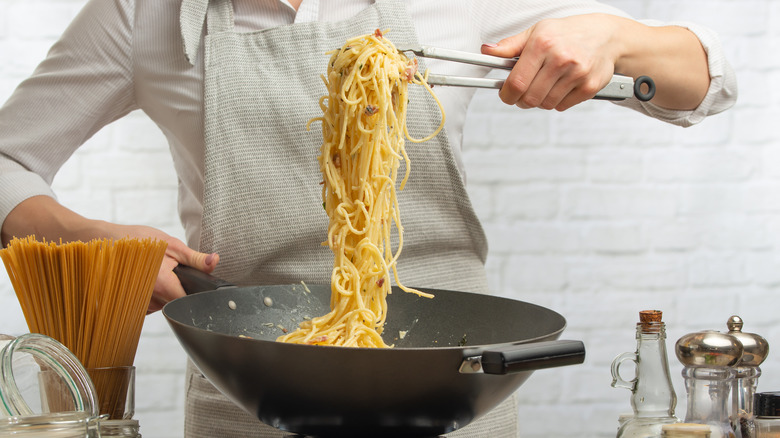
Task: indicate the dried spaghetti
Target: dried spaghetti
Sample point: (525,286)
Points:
(364,131)
(92,297)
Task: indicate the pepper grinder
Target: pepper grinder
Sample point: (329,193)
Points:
(756,349)
(708,358)
(652,394)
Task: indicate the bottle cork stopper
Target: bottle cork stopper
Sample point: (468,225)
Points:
(650,320)
(650,316)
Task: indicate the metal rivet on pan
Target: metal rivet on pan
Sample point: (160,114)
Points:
(232,305)
(268,301)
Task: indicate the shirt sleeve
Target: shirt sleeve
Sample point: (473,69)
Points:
(84,83)
(721,95)
(507,17)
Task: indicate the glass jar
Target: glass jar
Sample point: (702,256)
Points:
(44,389)
(766,407)
(115,387)
(119,429)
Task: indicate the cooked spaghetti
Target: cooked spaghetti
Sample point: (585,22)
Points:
(364,131)
(91,297)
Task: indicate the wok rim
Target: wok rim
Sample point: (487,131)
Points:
(551,335)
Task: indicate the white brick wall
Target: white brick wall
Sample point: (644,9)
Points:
(597,213)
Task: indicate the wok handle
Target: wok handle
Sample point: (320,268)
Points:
(194,281)
(532,356)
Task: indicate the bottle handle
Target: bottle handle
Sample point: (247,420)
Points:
(617,379)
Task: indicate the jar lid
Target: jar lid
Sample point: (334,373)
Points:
(685,430)
(766,404)
(58,425)
(43,360)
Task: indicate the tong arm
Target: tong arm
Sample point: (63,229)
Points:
(461,56)
(620,87)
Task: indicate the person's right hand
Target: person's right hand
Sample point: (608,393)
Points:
(45,218)
(561,61)
(565,61)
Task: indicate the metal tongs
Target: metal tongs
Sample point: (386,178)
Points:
(619,88)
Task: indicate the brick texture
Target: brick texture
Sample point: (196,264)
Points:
(597,212)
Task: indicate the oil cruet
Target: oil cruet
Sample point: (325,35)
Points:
(652,394)
(708,358)
(756,350)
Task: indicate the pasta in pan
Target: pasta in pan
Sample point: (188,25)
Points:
(364,133)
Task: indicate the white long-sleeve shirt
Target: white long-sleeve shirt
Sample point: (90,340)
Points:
(122,55)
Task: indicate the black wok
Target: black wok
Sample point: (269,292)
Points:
(455,358)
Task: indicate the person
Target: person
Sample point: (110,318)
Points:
(232,84)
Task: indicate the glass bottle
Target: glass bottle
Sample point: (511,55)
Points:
(708,358)
(756,350)
(652,394)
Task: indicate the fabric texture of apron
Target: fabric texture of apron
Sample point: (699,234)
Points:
(262,208)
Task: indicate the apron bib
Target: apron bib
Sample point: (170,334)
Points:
(262,206)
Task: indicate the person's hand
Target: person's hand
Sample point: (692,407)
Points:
(565,61)
(562,62)
(168,287)
(44,217)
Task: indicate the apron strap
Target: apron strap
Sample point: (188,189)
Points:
(220,16)
(191,19)
(192,16)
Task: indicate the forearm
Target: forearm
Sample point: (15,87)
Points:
(47,219)
(671,55)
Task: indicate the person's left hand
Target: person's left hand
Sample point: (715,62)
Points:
(167,286)
(562,62)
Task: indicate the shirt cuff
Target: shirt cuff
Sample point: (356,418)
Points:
(18,186)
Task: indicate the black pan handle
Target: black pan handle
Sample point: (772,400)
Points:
(194,281)
(532,356)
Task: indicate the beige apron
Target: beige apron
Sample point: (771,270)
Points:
(262,208)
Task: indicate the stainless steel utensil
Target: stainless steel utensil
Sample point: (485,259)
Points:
(708,348)
(619,88)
